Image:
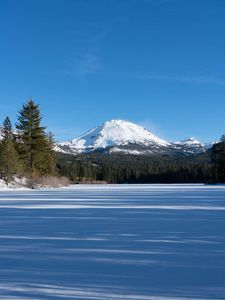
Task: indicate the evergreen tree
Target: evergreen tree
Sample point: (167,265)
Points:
(7,133)
(33,143)
(9,161)
(49,165)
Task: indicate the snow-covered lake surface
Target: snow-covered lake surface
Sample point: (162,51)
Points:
(140,242)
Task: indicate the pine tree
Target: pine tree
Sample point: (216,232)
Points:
(49,165)
(7,133)
(10,163)
(33,144)
(9,159)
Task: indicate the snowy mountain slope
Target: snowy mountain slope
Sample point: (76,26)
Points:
(113,133)
(189,142)
(122,136)
(190,145)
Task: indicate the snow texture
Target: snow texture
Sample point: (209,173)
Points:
(17,183)
(139,242)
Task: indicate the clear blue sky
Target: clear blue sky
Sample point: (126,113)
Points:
(159,63)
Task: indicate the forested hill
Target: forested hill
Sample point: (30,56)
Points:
(124,168)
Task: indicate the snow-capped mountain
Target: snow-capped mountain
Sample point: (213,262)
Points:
(189,142)
(110,134)
(190,145)
(129,138)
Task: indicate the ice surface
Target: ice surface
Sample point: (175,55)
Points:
(147,242)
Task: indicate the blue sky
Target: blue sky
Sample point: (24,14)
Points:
(158,63)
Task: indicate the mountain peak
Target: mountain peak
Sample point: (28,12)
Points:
(191,145)
(190,141)
(111,133)
(122,136)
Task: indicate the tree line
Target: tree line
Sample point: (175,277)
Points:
(125,168)
(208,167)
(27,151)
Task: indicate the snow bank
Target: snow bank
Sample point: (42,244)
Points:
(16,184)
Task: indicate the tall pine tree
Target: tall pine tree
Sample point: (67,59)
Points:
(33,143)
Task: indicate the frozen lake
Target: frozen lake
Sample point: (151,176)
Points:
(113,242)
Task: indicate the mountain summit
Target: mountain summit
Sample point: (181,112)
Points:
(129,138)
(113,133)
